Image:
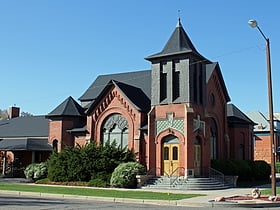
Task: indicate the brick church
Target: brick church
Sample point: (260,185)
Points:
(175,117)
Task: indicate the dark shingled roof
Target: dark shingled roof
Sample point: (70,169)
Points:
(69,107)
(25,144)
(178,43)
(209,70)
(29,126)
(235,115)
(138,79)
(133,94)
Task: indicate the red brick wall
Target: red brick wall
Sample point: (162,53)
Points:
(218,112)
(186,140)
(262,149)
(115,102)
(241,136)
(58,131)
(80,140)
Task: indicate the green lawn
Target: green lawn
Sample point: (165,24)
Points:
(87,191)
(268,191)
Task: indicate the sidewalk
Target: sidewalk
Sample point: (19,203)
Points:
(203,201)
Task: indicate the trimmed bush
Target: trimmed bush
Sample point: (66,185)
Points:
(246,170)
(261,169)
(36,171)
(124,176)
(227,167)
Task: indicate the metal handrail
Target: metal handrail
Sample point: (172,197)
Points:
(216,175)
(152,171)
(173,177)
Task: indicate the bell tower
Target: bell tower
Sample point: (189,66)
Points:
(178,96)
(178,72)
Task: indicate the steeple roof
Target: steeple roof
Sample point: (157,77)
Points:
(68,107)
(178,43)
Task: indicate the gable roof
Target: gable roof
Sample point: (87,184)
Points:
(178,43)
(69,107)
(262,123)
(139,79)
(209,71)
(134,95)
(235,115)
(29,126)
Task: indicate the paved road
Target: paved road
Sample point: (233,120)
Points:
(8,202)
(25,200)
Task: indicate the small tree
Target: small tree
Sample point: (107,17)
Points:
(4,114)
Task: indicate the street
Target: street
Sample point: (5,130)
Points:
(28,202)
(35,203)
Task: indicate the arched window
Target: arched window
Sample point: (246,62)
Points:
(115,128)
(241,152)
(213,139)
(54,145)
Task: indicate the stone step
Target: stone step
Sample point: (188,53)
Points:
(201,183)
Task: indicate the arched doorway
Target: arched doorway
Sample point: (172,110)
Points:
(197,156)
(170,155)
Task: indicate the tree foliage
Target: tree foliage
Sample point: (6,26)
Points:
(3,114)
(88,162)
(25,114)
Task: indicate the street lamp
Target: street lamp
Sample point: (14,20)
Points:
(254,24)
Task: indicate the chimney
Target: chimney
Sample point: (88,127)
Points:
(13,112)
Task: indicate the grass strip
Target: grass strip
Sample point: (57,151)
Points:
(135,194)
(268,191)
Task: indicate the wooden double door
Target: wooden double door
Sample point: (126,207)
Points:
(170,155)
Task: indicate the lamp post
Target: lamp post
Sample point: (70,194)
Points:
(254,24)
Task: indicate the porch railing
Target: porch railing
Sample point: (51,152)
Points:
(175,175)
(216,175)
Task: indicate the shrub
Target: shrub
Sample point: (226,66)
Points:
(277,167)
(36,171)
(29,171)
(98,182)
(124,176)
(100,179)
(262,170)
(82,163)
(245,170)
(57,166)
(227,167)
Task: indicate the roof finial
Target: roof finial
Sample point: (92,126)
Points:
(179,19)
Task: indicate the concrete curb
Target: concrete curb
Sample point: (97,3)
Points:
(105,199)
(203,201)
(248,204)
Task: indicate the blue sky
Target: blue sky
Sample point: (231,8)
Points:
(52,49)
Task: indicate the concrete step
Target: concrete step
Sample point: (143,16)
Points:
(204,183)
